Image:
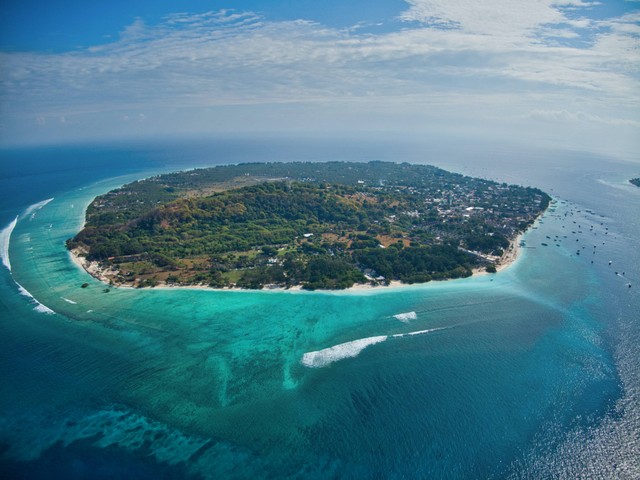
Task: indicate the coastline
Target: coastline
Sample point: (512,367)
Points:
(507,259)
(100,273)
(468,262)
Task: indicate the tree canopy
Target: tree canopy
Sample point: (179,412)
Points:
(326,225)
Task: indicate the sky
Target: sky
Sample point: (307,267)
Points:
(561,73)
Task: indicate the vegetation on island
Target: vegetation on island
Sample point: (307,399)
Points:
(318,225)
(635,181)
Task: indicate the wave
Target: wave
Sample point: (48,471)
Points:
(419,332)
(322,358)
(327,356)
(405,317)
(39,307)
(34,208)
(5,237)
(5,234)
(69,301)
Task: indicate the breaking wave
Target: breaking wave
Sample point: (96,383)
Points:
(5,234)
(38,307)
(69,301)
(5,237)
(419,332)
(35,207)
(322,358)
(405,317)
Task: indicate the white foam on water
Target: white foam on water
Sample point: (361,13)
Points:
(5,238)
(39,307)
(43,309)
(34,208)
(23,291)
(405,317)
(322,358)
(327,356)
(69,301)
(419,332)
(422,332)
(5,234)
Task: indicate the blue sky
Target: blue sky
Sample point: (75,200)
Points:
(551,72)
(43,25)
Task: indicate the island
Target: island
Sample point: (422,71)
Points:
(306,225)
(635,181)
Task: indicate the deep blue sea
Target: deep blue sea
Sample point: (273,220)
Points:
(532,373)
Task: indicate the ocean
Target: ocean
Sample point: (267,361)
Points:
(533,372)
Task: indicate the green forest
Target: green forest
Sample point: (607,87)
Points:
(319,226)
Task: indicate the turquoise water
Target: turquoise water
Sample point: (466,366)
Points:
(530,373)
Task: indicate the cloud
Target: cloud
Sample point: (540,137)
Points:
(491,16)
(458,61)
(578,117)
(506,19)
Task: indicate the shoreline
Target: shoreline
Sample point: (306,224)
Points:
(100,273)
(507,259)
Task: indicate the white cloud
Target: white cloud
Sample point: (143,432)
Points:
(578,117)
(512,19)
(493,17)
(500,59)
